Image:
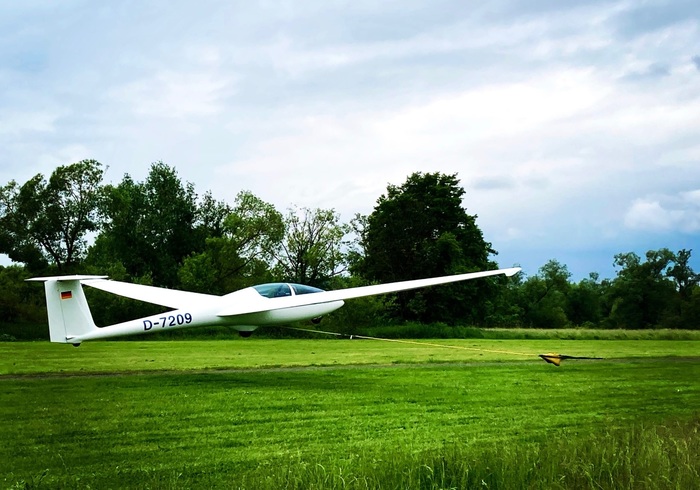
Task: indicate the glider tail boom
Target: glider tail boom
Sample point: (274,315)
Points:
(68,311)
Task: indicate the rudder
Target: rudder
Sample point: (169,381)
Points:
(68,311)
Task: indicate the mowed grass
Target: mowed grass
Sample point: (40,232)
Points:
(182,355)
(264,414)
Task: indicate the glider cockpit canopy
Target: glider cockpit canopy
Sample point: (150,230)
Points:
(282,289)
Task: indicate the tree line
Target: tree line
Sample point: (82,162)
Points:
(161,232)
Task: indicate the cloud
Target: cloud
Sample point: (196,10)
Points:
(681,157)
(649,215)
(666,213)
(692,197)
(569,125)
(63,156)
(696,62)
(641,18)
(172,94)
(653,71)
(18,122)
(494,182)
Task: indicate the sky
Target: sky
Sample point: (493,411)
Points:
(574,127)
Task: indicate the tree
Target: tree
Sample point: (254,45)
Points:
(507,308)
(20,301)
(586,301)
(641,292)
(691,311)
(683,275)
(546,296)
(211,216)
(240,255)
(47,222)
(420,229)
(312,249)
(151,226)
(685,312)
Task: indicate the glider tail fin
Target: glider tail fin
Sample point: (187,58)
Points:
(68,311)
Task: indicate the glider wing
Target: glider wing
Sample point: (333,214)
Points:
(172,298)
(359,292)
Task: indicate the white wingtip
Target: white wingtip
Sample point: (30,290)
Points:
(512,271)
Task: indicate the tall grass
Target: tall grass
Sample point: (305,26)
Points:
(641,457)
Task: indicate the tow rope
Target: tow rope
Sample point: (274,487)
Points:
(551,358)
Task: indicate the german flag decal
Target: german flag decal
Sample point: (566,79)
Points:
(66,294)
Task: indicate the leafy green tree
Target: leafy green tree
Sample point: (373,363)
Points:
(312,249)
(355,251)
(683,275)
(20,301)
(47,222)
(121,239)
(17,204)
(545,296)
(420,229)
(642,292)
(506,308)
(685,312)
(691,311)
(241,254)
(586,300)
(211,216)
(151,226)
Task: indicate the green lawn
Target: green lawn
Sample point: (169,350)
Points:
(380,415)
(44,357)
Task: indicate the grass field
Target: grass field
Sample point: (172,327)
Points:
(182,355)
(349,414)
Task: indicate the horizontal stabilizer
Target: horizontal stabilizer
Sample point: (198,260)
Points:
(66,278)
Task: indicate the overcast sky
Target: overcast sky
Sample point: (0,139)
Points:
(575,130)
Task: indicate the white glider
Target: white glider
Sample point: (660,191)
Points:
(70,320)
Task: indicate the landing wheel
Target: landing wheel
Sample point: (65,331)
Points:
(245,334)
